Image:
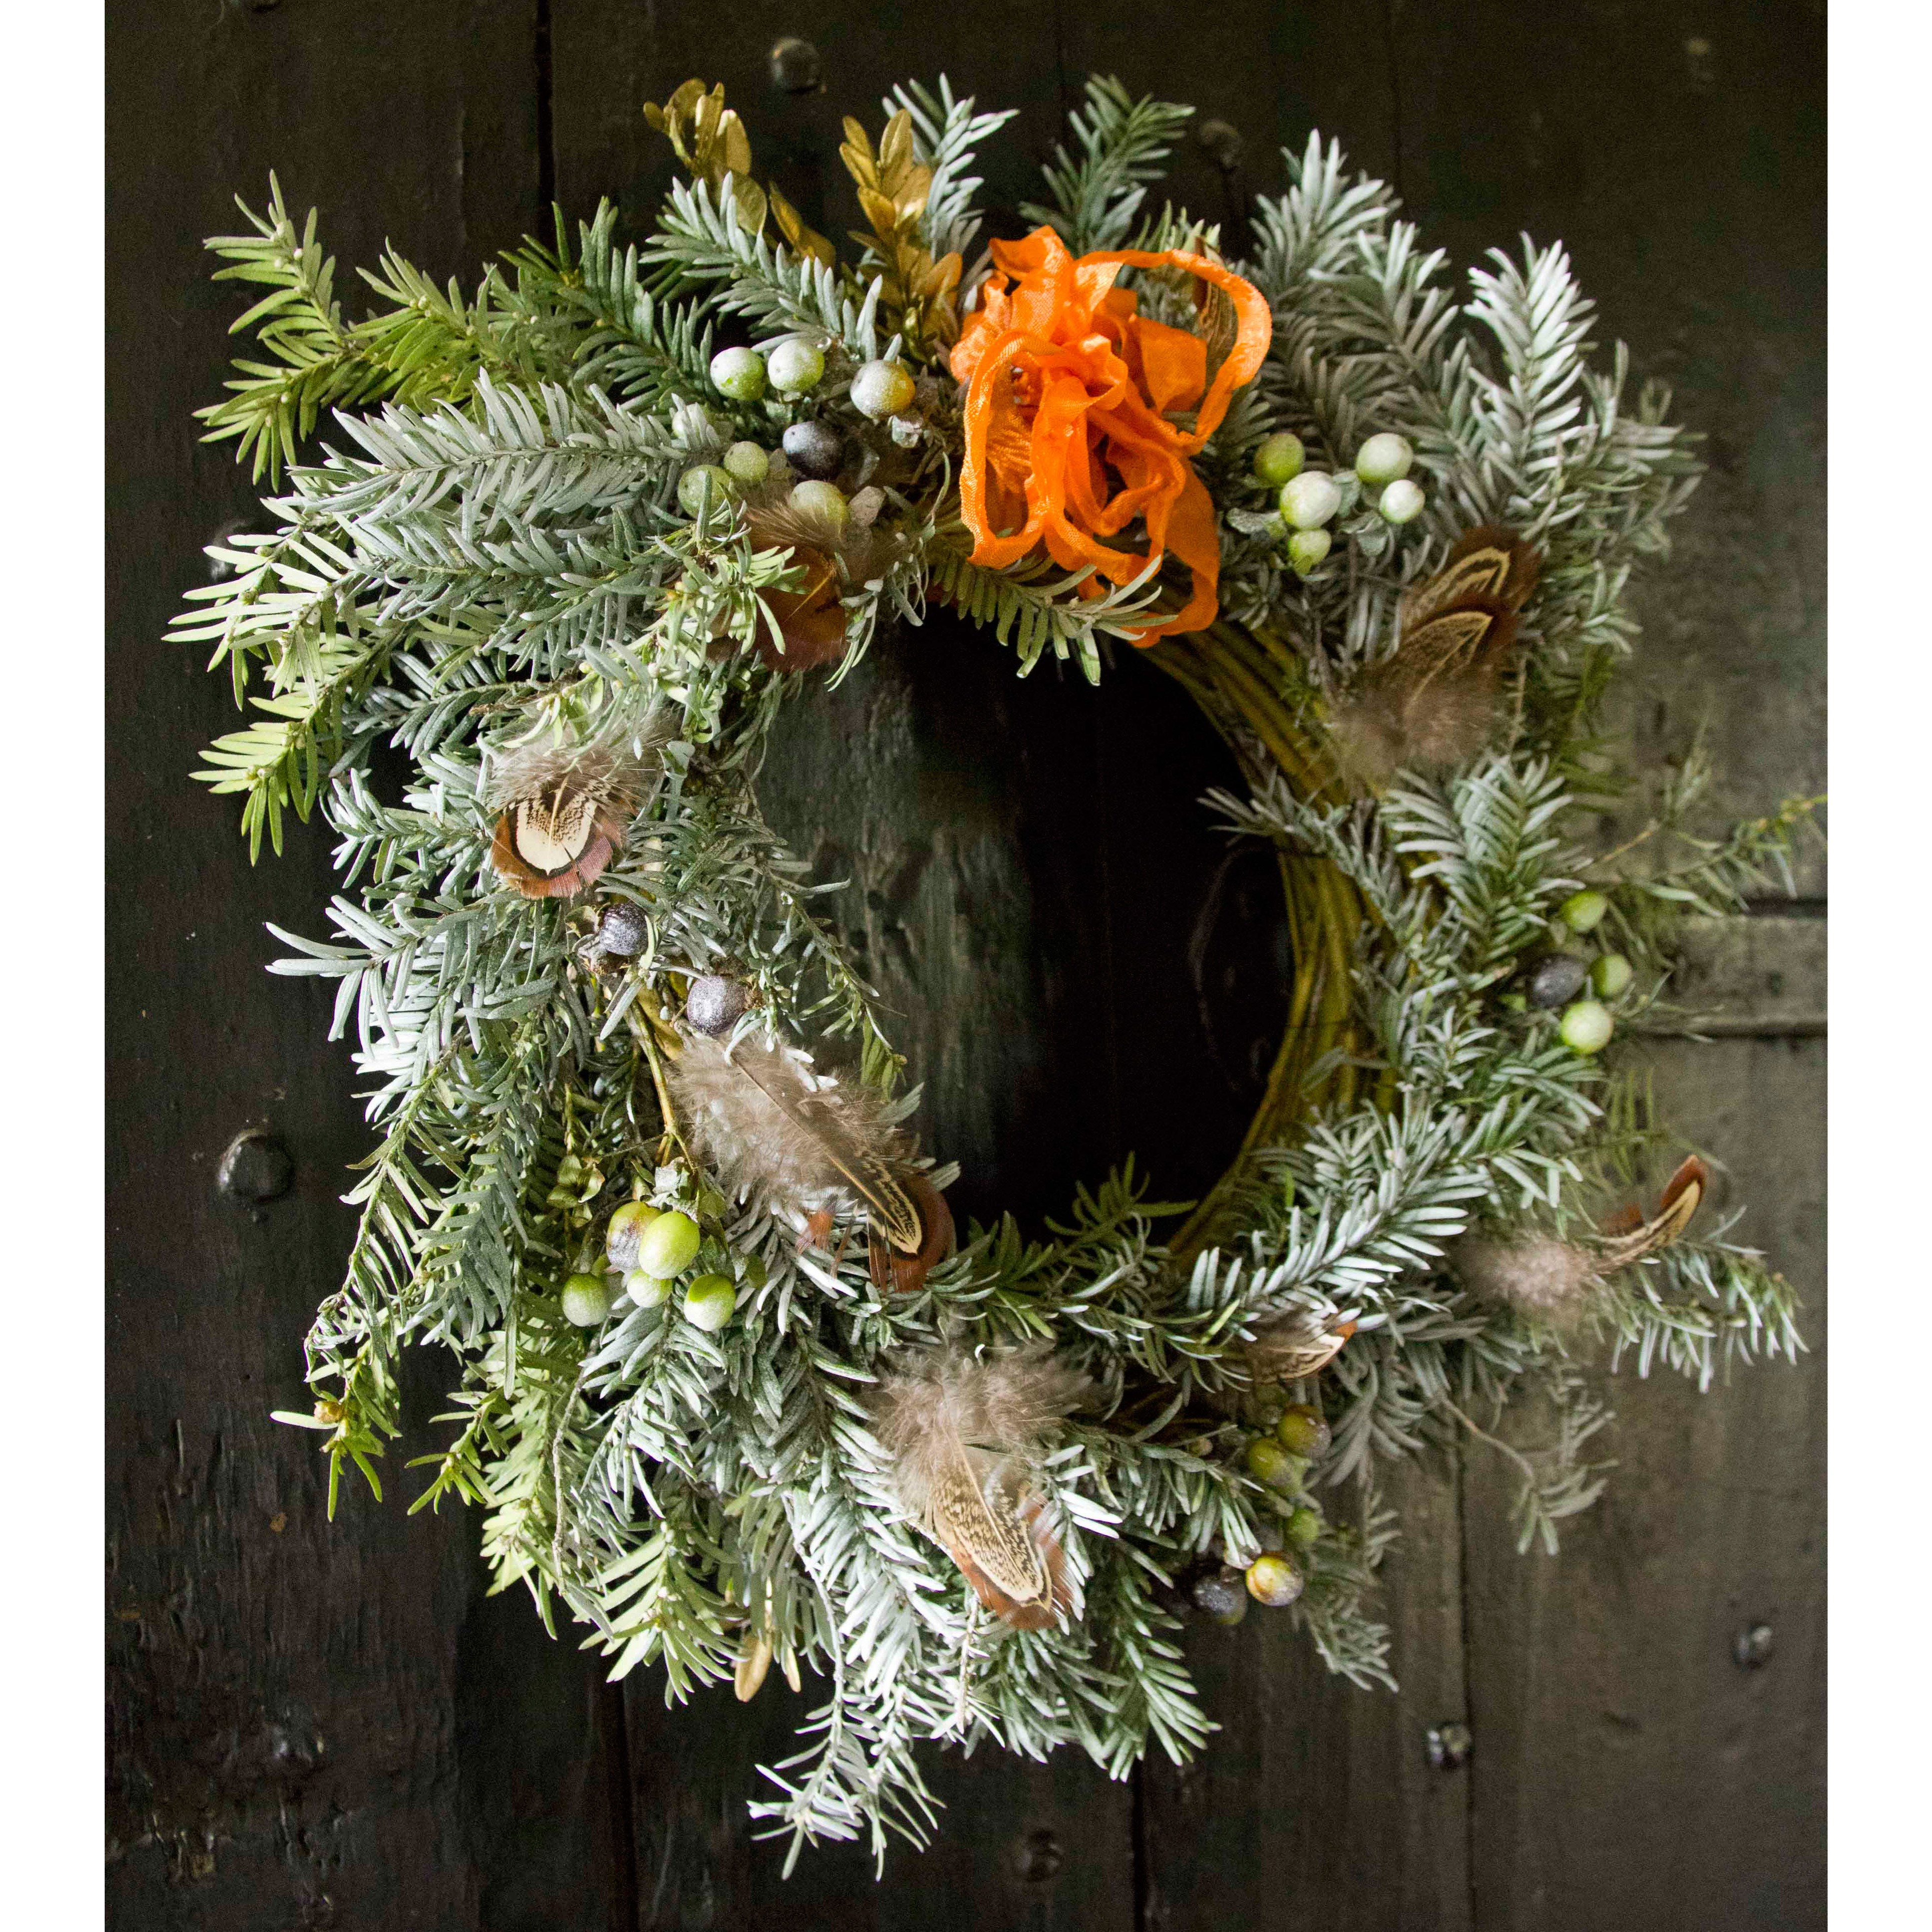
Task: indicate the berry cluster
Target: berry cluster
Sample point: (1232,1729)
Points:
(1311,499)
(1583,989)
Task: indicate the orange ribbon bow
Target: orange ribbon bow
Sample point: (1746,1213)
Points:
(1069,394)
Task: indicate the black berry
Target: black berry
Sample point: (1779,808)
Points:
(814,450)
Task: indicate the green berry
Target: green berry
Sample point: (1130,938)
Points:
(825,501)
(1273,1580)
(1610,974)
(1279,459)
(1306,550)
(1309,500)
(746,462)
(880,389)
(795,366)
(1268,1459)
(709,1302)
(1220,1593)
(703,485)
(1302,1432)
(1385,459)
(1304,1527)
(1583,912)
(626,1228)
(668,1246)
(1401,502)
(1587,1027)
(586,1300)
(738,374)
(645,1290)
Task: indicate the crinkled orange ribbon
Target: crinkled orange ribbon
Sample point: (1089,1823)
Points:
(1069,394)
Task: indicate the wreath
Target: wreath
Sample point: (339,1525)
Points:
(734,1390)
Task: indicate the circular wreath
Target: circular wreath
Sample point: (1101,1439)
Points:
(734,1390)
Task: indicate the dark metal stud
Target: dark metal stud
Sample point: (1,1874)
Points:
(1450,1745)
(1222,143)
(256,1167)
(1037,1856)
(1752,1646)
(796,66)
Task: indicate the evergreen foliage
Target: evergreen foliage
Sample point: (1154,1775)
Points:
(489,540)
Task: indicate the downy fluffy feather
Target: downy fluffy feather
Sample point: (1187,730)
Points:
(779,1137)
(1538,1275)
(961,1431)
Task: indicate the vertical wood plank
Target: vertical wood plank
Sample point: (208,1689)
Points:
(309,1725)
(1627,1770)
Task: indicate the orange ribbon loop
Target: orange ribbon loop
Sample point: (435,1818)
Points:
(1070,394)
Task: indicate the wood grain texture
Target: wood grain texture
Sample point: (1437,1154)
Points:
(1627,1770)
(316,1726)
(308,1726)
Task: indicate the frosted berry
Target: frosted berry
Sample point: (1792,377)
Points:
(746,462)
(586,1300)
(668,1246)
(623,929)
(1302,1432)
(1273,1464)
(715,1004)
(1273,1580)
(880,389)
(1279,459)
(795,367)
(738,374)
(1555,981)
(1385,459)
(826,502)
(704,486)
(1309,500)
(1583,912)
(1304,1527)
(1222,1593)
(626,1229)
(709,1302)
(1401,503)
(1306,550)
(1587,1027)
(645,1290)
(813,449)
(1610,974)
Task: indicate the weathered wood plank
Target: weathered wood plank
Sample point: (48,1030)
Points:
(1316,1802)
(1681,157)
(1627,1770)
(307,1723)
(1764,977)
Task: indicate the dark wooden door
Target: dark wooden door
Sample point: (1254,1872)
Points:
(313,1726)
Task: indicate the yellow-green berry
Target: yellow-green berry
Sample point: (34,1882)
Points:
(1583,912)
(1401,502)
(880,389)
(795,366)
(738,374)
(1587,1027)
(826,502)
(1302,1431)
(668,1246)
(1385,459)
(1304,1527)
(1273,1580)
(1306,550)
(1610,974)
(704,485)
(645,1290)
(586,1300)
(1309,500)
(746,463)
(709,1302)
(1273,1464)
(626,1228)
(1278,460)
